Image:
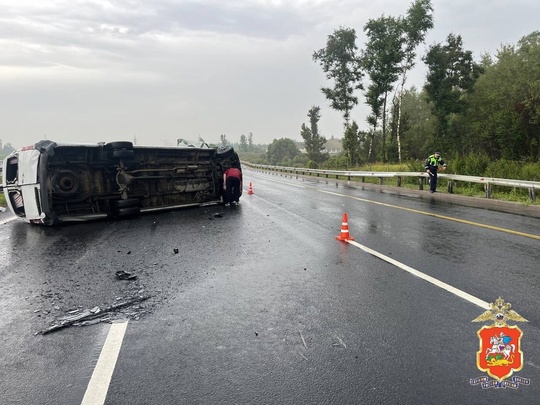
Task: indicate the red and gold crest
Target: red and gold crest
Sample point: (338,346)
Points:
(500,344)
(500,354)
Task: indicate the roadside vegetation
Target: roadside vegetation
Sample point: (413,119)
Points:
(483,114)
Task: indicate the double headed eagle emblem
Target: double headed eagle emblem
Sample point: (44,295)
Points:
(499,313)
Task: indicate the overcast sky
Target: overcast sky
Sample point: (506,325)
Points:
(158,70)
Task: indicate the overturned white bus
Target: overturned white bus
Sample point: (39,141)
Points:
(50,183)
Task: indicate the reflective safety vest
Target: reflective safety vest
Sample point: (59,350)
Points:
(434,161)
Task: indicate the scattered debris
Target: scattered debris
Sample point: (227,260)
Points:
(90,316)
(175,251)
(125,275)
(305,358)
(340,342)
(303,341)
(218,215)
(2,209)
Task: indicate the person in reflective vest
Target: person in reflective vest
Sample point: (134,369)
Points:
(232,185)
(432,165)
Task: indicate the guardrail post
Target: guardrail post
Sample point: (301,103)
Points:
(363,179)
(532,194)
(380,181)
(450,186)
(487,189)
(421,183)
(399,181)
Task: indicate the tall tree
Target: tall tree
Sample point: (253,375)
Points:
(281,150)
(351,144)
(417,22)
(418,126)
(223,140)
(250,142)
(341,63)
(504,117)
(381,60)
(313,141)
(243,143)
(451,76)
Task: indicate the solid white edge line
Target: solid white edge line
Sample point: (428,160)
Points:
(429,279)
(96,392)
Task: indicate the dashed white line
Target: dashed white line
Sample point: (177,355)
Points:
(96,392)
(429,279)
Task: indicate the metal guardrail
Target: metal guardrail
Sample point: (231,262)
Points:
(533,187)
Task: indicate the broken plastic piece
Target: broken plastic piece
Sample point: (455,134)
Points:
(125,275)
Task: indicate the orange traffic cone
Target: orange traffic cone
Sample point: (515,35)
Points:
(250,189)
(344,234)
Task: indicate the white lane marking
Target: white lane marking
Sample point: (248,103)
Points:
(96,392)
(429,279)
(5,221)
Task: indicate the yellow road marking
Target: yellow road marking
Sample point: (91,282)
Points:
(430,214)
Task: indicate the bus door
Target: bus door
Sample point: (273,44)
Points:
(27,180)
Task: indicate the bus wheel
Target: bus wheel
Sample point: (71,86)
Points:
(65,182)
(119,145)
(122,154)
(225,152)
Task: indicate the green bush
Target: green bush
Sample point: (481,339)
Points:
(530,171)
(471,165)
(503,169)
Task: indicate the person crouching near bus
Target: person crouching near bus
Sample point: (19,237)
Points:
(232,185)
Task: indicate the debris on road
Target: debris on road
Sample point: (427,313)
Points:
(340,342)
(91,316)
(125,275)
(303,341)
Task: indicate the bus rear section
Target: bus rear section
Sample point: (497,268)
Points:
(72,182)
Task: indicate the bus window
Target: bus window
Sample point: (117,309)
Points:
(12,170)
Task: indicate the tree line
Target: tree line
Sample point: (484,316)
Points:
(489,108)
(479,114)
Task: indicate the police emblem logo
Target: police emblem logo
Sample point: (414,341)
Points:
(500,352)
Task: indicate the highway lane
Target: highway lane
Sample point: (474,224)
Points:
(263,305)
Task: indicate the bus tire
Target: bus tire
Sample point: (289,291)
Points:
(119,145)
(225,152)
(122,154)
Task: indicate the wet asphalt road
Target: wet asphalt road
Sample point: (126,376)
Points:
(262,305)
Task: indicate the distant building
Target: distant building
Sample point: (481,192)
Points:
(332,146)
